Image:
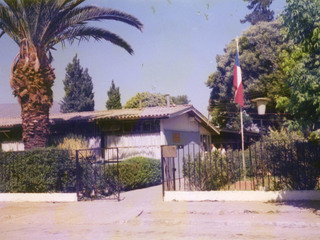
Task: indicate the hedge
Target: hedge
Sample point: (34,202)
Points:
(37,171)
(138,172)
(54,170)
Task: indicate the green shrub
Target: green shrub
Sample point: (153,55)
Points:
(37,171)
(137,172)
(207,173)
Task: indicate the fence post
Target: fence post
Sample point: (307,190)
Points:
(162,172)
(77,173)
(118,173)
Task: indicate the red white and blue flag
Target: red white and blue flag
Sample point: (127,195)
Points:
(237,81)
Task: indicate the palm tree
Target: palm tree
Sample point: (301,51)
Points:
(37,26)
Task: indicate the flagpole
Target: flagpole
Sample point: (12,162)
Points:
(242,137)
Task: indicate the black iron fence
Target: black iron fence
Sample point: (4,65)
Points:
(269,166)
(87,172)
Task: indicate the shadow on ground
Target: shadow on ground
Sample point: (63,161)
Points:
(313,206)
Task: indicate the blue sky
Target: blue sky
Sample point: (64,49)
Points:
(174,54)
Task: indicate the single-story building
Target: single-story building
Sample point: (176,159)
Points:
(132,131)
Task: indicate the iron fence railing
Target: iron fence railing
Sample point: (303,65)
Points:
(269,166)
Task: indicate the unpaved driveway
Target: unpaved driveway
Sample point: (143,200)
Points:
(143,215)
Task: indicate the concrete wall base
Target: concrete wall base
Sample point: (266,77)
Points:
(38,197)
(258,196)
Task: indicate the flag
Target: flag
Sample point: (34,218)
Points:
(237,81)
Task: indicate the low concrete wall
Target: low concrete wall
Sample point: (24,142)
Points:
(38,197)
(258,196)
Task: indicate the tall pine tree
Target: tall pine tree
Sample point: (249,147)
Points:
(260,12)
(78,89)
(114,97)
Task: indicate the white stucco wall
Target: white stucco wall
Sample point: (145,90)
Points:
(257,196)
(38,197)
(181,123)
(144,144)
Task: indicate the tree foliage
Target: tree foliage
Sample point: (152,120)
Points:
(301,64)
(114,97)
(303,102)
(78,89)
(147,99)
(260,11)
(262,74)
(180,100)
(36,27)
(302,23)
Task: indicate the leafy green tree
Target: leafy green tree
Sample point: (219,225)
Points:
(301,63)
(147,99)
(302,23)
(114,97)
(303,101)
(262,74)
(78,89)
(180,100)
(36,27)
(260,11)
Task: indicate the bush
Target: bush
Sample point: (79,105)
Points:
(71,142)
(297,163)
(36,171)
(208,173)
(137,172)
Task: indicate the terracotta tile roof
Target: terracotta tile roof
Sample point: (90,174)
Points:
(120,114)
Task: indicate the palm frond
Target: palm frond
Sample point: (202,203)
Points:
(54,26)
(45,23)
(9,23)
(81,33)
(94,13)
(82,15)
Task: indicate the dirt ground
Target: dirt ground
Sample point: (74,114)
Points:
(142,215)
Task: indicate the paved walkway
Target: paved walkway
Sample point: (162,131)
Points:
(143,215)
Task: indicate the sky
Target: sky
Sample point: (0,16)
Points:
(174,54)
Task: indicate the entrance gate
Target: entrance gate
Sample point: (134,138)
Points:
(97,173)
(174,162)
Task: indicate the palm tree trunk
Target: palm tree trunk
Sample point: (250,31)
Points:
(32,79)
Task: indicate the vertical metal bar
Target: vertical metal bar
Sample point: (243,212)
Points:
(285,164)
(194,168)
(179,177)
(268,163)
(184,169)
(189,166)
(77,173)
(240,174)
(118,173)
(262,164)
(200,168)
(215,166)
(233,164)
(227,161)
(162,172)
(305,169)
(251,168)
(280,164)
(174,174)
